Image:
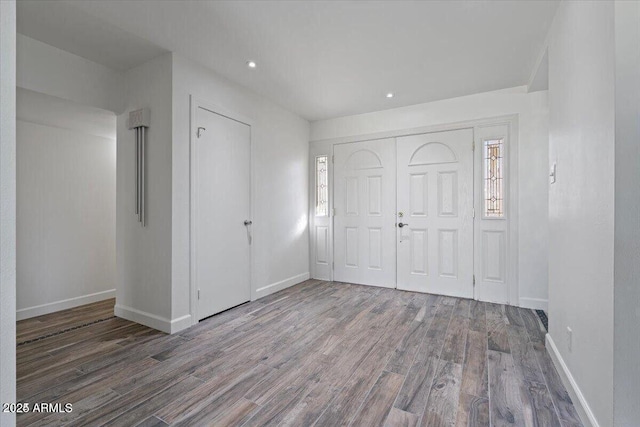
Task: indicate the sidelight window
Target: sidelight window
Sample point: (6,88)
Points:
(322,189)
(493,159)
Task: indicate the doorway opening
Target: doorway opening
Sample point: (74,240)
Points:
(66,204)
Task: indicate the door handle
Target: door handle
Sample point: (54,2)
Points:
(247,222)
(401,224)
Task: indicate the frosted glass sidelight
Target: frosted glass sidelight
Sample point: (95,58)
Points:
(322,190)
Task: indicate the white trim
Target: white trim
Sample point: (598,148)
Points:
(465,124)
(195,103)
(151,320)
(579,401)
(534,303)
(52,307)
(513,228)
(181,323)
(278,286)
(142,317)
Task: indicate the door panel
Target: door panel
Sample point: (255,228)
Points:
(448,194)
(418,184)
(322,244)
(419,242)
(435,201)
(223,203)
(364,202)
(351,247)
(493,261)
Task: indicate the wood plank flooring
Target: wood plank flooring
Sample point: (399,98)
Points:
(319,353)
(48,324)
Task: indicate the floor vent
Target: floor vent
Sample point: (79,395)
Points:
(544,319)
(53,334)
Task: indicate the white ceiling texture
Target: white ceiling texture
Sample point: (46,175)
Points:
(319,59)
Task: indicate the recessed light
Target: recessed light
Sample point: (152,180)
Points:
(390,95)
(251,64)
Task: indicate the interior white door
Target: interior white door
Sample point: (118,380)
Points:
(364,203)
(435,213)
(222,205)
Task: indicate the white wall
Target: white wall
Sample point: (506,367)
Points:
(280,177)
(153,262)
(143,255)
(627,224)
(533,154)
(581,202)
(66,206)
(47,69)
(7,208)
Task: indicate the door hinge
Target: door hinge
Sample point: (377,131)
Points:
(333,265)
(473,146)
(333,158)
(198,293)
(474,212)
(474,280)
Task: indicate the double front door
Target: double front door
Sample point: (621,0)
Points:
(404,213)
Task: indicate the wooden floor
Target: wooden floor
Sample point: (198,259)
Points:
(324,354)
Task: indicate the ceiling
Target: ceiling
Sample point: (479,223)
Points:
(320,59)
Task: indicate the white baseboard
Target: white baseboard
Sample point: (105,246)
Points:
(535,303)
(278,286)
(320,277)
(579,401)
(52,307)
(151,320)
(181,323)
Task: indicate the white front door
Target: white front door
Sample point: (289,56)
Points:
(435,213)
(222,205)
(364,203)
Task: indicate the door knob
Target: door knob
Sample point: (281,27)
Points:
(401,224)
(247,222)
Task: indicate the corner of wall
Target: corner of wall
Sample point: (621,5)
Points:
(535,303)
(581,222)
(626,411)
(7,208)
(144,254)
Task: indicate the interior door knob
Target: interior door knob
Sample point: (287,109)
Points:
(247,222)
(401,224)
